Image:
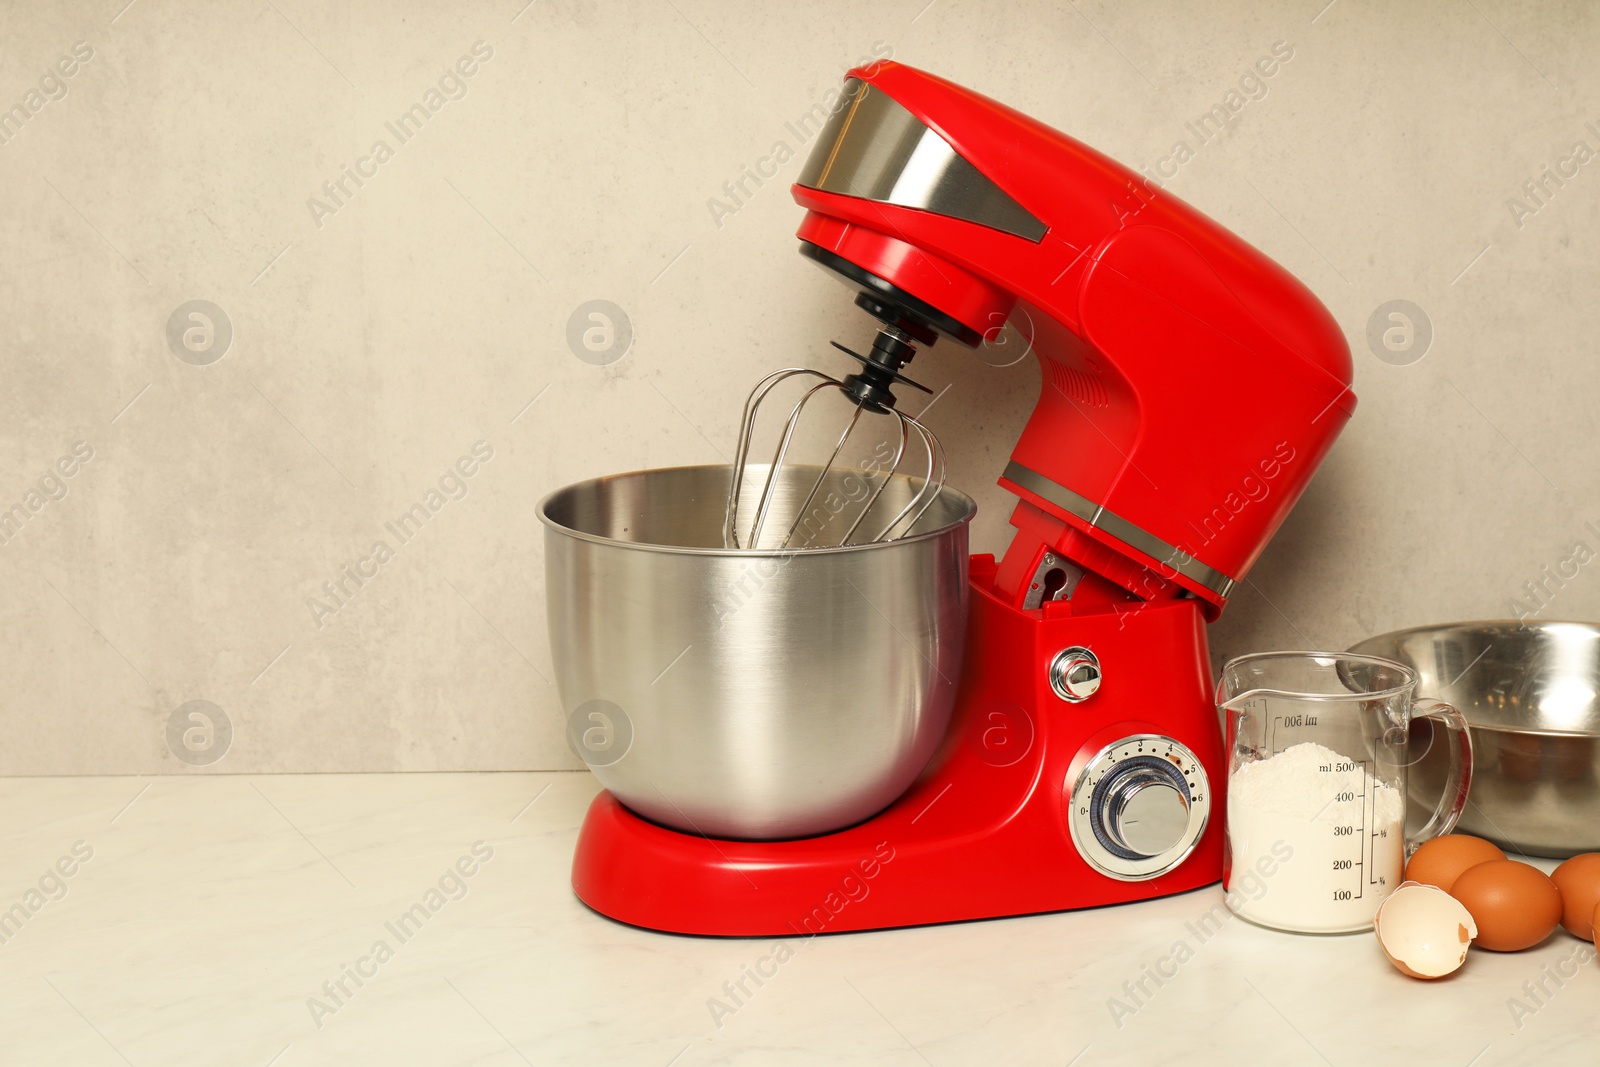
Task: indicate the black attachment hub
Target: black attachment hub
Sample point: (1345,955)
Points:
(870,387)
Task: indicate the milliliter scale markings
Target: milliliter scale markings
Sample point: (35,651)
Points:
(1289,722)
(1365,839)
(1360,835)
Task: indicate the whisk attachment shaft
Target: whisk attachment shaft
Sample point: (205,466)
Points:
(869,391)
(891,350)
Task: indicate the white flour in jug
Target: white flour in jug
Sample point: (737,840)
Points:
(1343,830)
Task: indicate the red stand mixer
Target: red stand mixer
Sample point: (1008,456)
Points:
(1190,389)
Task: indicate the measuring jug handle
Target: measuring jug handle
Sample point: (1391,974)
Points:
(1454,798)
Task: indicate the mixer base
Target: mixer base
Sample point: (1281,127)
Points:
(983,834)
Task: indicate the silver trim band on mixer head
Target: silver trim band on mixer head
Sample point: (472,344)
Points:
(873,148)
(1098,517)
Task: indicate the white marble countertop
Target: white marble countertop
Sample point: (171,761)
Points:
(202,915)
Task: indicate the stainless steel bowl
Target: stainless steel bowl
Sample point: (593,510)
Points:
(1529,691)
(750,693)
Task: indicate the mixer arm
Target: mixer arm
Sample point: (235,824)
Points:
(1180,418)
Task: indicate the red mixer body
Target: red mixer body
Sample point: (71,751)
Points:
(1190,388)
(985,833)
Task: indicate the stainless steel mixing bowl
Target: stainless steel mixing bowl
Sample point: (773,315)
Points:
(751,693)
(1529,691)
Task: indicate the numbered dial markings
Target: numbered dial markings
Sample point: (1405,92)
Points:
(1139,806)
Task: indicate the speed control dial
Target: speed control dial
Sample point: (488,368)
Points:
(1139,806)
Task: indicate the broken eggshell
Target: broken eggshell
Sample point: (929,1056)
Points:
(1424,930)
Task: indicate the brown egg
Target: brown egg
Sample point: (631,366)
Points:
(1440,860)
(1515,905)
(1579,881)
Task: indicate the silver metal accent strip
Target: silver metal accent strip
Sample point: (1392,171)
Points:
(1097,516)
(874,149)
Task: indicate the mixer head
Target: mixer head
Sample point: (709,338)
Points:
(869,391)
(1189,386)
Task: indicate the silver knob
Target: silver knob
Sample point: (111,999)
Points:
(1139,806)
(1146,813)
(1075,674)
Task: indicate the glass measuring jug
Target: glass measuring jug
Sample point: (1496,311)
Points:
(1319,744)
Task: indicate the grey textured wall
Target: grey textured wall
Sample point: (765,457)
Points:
(364,345)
